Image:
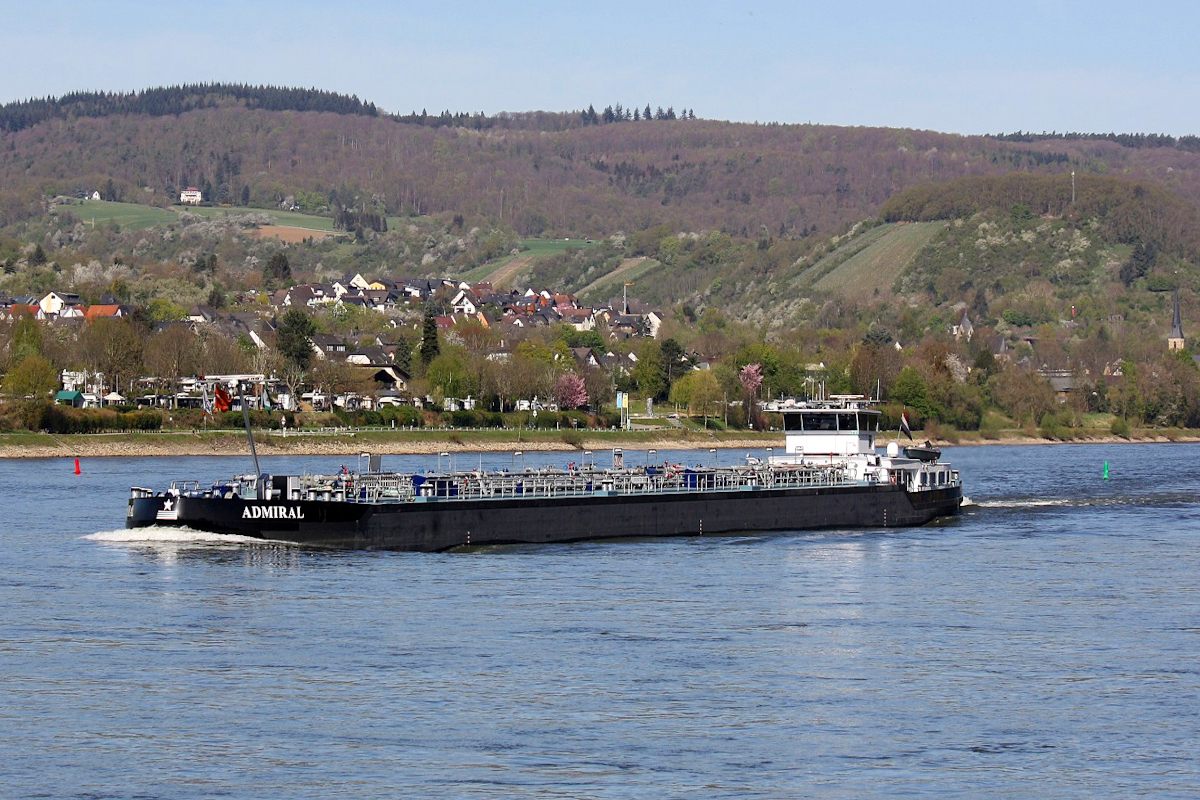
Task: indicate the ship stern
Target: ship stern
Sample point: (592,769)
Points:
(144,508)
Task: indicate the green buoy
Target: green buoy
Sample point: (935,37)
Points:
(1105,470)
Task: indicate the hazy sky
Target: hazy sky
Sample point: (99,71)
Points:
(960,66)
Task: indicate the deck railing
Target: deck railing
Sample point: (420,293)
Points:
(537,483)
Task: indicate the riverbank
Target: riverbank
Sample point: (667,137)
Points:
(417,442)
(353,442)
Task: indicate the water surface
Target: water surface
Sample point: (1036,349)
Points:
(1044,644)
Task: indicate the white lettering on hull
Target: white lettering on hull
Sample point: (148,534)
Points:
(272,512)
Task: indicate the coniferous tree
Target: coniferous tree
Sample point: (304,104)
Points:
(673,363)
(979,308)
(1140,262)
(277,269)
(429,339)
(292,337)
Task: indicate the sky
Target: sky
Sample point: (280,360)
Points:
(958,67)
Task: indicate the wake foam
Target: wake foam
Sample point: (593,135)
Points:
(1161,500)
(1024,503)
(155,534)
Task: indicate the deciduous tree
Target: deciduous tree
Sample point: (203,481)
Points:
(114,347)
(34,377)
(570,392)
(171,354)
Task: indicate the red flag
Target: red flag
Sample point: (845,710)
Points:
(907,431)
(222,402)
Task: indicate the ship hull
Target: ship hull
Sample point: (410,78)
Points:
(436,524)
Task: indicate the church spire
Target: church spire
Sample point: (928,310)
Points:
(1175,340)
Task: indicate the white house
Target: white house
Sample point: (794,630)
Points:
(654,320)
(55,302)
(465,302)
(191,196)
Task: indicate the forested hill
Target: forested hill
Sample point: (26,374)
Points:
(173,100)
(1125,211)
(1137,140)
(572,173)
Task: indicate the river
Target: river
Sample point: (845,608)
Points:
(1043,644)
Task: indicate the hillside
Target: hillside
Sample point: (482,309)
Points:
(868,266)
(779,245)
(540,174)
(779,225)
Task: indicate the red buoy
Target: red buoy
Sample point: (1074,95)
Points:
(77,466)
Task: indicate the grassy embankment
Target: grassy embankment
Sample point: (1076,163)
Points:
(352,441)
(1096,429)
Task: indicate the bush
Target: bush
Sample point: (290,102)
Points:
(1051,428)
(1017,317)
(233,419)
(946,433)
(545,420)
(406,416)
(64,419)
(463,419)
(1119,427)
(473,419)
(576,419)
(991,425)
(608,419)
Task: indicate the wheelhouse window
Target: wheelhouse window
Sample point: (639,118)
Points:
(830,422)
(820,422)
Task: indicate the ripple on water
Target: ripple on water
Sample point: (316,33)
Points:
(1040,645)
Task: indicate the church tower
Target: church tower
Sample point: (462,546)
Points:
(1175,340)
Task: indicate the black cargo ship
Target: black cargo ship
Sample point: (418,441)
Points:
(829,477)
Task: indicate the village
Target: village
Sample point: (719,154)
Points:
(385,358)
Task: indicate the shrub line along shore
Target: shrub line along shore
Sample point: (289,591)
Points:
(43,445)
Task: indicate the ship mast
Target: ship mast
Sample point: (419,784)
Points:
(250,438)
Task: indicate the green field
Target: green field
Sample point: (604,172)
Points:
(540,248)
(130,216)
(870,263)
(530,249)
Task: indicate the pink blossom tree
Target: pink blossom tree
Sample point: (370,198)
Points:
(570,392)
(751,378)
